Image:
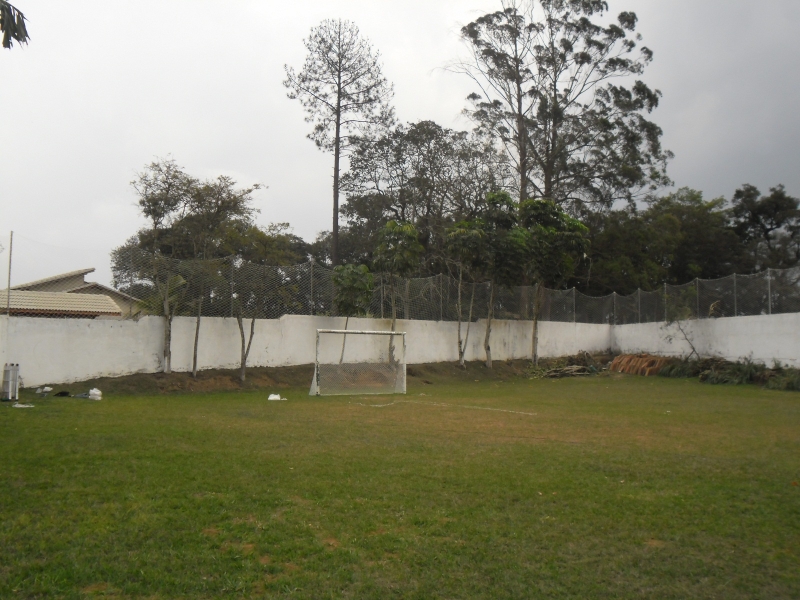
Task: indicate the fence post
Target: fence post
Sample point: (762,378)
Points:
(735,299)
(233,271)
(382,298)
(639,308)
(8,287)
(666,319)
(697,291)
(614,314)
(769,291)
(312,287)
(574,307)
(441,297)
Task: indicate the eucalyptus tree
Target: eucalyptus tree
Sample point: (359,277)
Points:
(12,25)
(421,173)
(553,87)
(344,93)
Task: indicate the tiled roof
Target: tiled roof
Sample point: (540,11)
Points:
(103,288)
(52,279)
(58,303)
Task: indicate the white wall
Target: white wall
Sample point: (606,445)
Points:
(66,350)
(763,338)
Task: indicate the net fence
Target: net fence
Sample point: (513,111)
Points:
(148,284)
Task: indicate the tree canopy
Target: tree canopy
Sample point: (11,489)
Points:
(551,87)
(12,25)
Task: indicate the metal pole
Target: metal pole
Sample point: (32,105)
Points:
(639,309)
(697,290)
(316,366)
(574,307)
(312,287)
(769,291)
(735,299)
(8,288)
(614,316)
(441,297)
(666,319)
(8,300)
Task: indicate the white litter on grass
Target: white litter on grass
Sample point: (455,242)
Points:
(276,398)
(18,405)
(95,394)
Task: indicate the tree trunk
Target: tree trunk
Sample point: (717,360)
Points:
(245,348)
(167,331)
(394,319)
(522,144)
(458,310)
(344,339)
(490,314)
(197,334)
(469,323)
(537,308)
(337,150)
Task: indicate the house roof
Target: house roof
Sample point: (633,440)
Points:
(53,278)
(58,304)
(104,288)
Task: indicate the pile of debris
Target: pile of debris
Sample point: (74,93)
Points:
(580,365)
(639,364)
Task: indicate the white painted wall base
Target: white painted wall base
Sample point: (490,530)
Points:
(67,350)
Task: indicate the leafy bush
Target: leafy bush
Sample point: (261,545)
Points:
(716,371)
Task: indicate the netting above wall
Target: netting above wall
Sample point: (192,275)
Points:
(147,284)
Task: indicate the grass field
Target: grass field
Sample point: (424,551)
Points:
(606,487)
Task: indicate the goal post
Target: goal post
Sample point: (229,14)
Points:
(354,362)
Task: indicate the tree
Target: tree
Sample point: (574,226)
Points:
(397,255)
(353,285)
(505,252)
(673,239)
(164,190)
(344,93)
(556,244)
(421,173)
(546,92)
(768,225)
(213,207)
(12,25)
(466,248)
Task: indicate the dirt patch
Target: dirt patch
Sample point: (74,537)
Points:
(95,588)
(215,380)
(331,543)
(655,544)
(211,532)
(276,378)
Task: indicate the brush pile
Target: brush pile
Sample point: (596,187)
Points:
(639,364)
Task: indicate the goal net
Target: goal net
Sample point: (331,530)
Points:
(350,362)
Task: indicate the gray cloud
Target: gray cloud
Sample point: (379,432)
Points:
(84,112)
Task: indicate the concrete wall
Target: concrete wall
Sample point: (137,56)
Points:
(763,338)
(65,350)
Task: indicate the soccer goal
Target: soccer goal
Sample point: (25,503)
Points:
(351,362)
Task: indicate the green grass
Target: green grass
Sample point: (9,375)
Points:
(606,487)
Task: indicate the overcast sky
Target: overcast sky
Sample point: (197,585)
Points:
(97,95)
